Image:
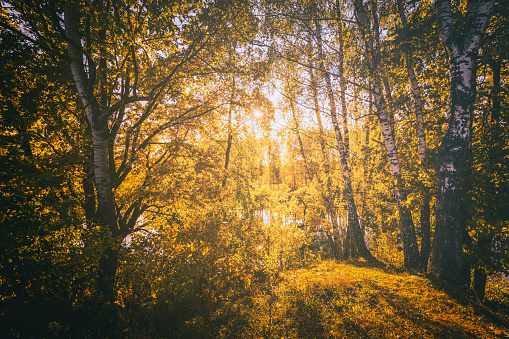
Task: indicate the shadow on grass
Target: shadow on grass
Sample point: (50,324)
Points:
(405,309)
(363,263)
(310,316)
(466,297)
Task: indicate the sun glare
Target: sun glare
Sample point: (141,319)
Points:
(257,113)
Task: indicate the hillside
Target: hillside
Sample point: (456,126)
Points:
(351,300)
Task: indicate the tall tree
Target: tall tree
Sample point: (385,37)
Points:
(106,63)
(462,48)
(421,137)
(342,78)
(106,213)
(353,217)
(327,191)
(411,250)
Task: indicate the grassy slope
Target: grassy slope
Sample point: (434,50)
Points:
(351,300)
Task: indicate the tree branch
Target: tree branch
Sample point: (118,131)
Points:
(35,42)
(445,26)
(479,22)
(119,104)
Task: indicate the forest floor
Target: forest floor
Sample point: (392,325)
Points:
(354,300)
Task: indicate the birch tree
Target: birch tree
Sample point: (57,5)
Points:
(353,218)
(107,112)
(411,250)
(446,259)
(421,137)
(328,193)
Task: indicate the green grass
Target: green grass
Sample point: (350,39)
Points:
(353,300)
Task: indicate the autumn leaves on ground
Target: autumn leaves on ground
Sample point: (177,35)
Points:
(356,300)
(353,300)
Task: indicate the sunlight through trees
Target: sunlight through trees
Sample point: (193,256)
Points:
(191,169)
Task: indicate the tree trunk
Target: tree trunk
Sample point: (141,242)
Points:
(342,80)
(89,205)
(106,214)
(366,158)
(230,136)
(388,95)
(445,260)
(479,283)
(411,250)
(425,229)
(421,141)
(328,193)
(350,238)
(353,218)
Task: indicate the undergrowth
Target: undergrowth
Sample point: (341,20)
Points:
(324,300)
(353,300)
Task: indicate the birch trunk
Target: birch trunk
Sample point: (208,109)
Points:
(328,193)
(106,213)
(353,218)
(388,95)
(411,250)
(230,136)
(421,141)
(351,249)
(367,157)
(445,260)
(342,80)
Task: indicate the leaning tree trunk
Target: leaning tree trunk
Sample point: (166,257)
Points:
(353,218)
(411,250)
(445,260)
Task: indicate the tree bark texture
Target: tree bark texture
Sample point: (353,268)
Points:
(106,214)
(342,80)
(366,158)
(353,218)
(479,282)
(411,250)
(445,260)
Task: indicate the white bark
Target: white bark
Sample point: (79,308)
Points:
(354,224)
(446,255)
(342,81)
(416,90)
(411,251)
(106,213)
